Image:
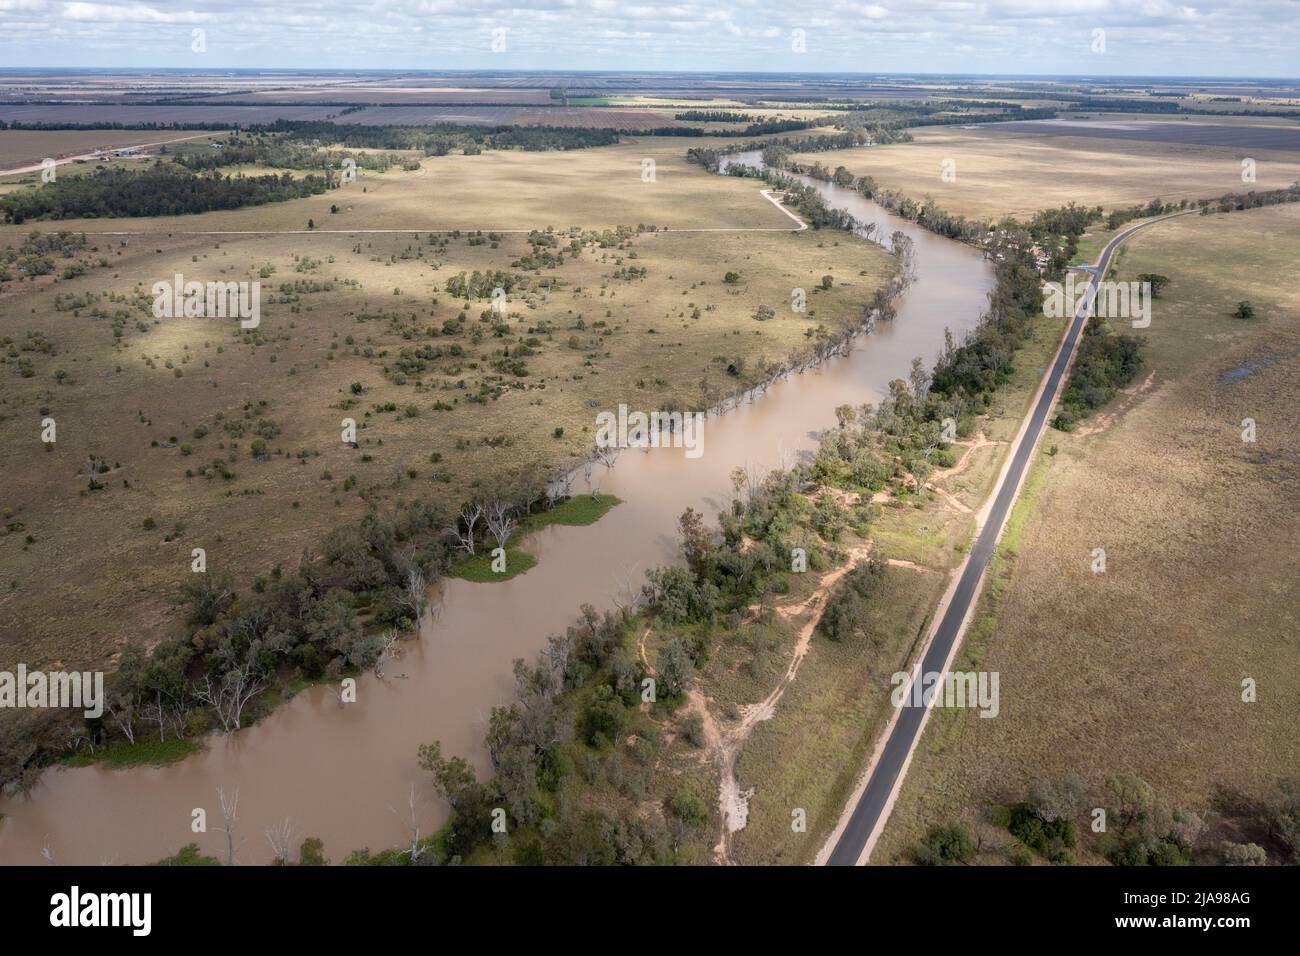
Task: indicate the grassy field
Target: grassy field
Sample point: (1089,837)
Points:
(191,395)
(999,173)
(499,190)
(1139,669)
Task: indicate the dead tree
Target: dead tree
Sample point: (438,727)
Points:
(229,820)
(560,488)
(607,455)
(280,836)
(179,708)
(388,652)
(630,594)
(122,710)
(398,470)
(231,695)
(469,517)
(414,592)
(415,850)
(501,521)
(157,712)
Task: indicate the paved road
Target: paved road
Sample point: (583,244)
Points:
(886,775)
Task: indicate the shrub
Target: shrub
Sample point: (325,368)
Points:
(688,808)
(602,718)
(693,730)
(676,668)
(946,845)
(1242,854)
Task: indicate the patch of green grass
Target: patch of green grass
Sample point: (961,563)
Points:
(579,510)
(144,751)
(925,536)
(478,567)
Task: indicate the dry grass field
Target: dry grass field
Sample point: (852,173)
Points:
(1139,670)
(1002,173)
(506,190)
(177,395)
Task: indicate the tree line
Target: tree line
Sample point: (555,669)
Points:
(157,190)
(441,138)
(234,647)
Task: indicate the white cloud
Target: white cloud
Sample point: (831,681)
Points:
(1216,37)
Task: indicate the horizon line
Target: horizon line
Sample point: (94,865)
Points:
(652,72)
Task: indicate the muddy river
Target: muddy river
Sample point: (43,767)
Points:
(344,772)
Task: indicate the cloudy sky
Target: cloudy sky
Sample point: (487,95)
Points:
(1142,37)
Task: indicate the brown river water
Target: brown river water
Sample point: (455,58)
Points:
(344,772)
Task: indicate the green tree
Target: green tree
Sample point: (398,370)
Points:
(697,545)
(675,668)
(312,853)
(453,778)
(946,845)
(689,808)
(1158,282)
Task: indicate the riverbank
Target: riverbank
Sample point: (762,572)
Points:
(460,660)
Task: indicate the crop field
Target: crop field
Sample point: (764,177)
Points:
(129,114)
(368,93)
(1183,131)
(600,118)
(424,114)
(174,396)
(1002,173)
(1198,594)
(27,147)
